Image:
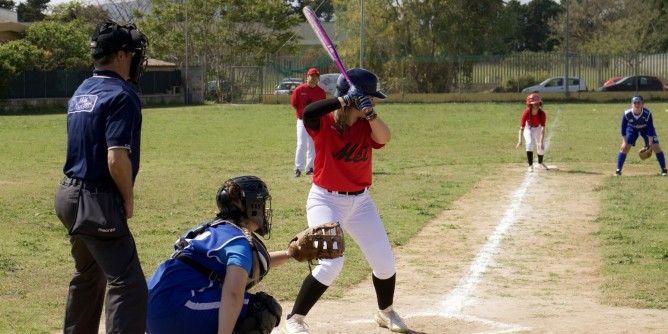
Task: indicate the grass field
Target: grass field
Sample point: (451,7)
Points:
(438,153)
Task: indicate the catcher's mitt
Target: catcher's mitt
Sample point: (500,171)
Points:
(645,153)
(319,242)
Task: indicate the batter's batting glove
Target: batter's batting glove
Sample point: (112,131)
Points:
(352,95)
(364,103)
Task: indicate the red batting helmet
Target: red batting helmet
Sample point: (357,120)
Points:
(533,99)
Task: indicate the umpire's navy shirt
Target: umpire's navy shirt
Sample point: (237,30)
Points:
(104,113)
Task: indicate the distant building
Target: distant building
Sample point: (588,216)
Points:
(10,28)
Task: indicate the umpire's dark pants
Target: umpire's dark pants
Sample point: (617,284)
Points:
(102,256)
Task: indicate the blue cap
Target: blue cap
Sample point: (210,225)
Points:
(636,99)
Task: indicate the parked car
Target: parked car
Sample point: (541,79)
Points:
(328,82)
(634,83)
(612,81)
(287,85)
(556,85)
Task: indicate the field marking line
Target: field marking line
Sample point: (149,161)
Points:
(460,296)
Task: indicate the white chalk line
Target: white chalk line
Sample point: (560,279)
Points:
(460,296)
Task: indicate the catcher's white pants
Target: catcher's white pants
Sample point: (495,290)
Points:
(304,143)
(532,138)
(359,220)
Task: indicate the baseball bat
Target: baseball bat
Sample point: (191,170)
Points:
(325,41)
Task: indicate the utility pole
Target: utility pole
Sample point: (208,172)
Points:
(567,46)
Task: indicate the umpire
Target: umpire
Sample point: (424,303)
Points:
(95,198)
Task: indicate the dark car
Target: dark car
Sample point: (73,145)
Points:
(634,83)
(612,81)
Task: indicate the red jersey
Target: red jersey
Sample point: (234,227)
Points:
(304,95)
(342,163)
(532,121)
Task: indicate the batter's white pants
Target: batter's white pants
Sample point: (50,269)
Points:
(360,221)
(532,138)
(304,143)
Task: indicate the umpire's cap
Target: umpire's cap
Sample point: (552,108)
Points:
(363,79)
(110,37)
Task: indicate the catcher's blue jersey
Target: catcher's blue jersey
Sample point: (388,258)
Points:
(634,125)
(175,284)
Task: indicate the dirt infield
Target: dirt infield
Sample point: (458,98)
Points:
(517,254)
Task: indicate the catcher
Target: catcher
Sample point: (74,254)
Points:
(637,121)
(203,287)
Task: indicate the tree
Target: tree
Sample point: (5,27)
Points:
(32,10)
(16,57)
(609,27)
(220,33)
(64,45)
(71,11)
(7,4)
(324,9)
(420,45)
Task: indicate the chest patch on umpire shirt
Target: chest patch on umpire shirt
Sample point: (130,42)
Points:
(82,103)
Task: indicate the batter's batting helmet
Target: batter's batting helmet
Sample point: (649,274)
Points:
(534,99)
(363,79)
(246,196)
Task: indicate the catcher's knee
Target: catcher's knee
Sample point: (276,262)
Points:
(262,316)
(327,270)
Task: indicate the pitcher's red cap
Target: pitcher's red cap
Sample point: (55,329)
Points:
(313,71)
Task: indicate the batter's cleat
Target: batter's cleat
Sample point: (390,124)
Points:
(309,171)
(618,173)
(295,325)
(389,319)
(530,169)
(664,172)
(298,173)
(543,166)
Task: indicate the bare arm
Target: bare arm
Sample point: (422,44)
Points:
(120,169)
(380,133)
(232,298)
(279,258)
(519,138)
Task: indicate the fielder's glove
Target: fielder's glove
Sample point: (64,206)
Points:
(645,153)
(319,242)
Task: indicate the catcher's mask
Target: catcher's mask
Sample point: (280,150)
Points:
(363,79)
(110,37)
(246,196)
(534,99)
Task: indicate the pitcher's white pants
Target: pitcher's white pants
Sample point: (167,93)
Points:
(304,143)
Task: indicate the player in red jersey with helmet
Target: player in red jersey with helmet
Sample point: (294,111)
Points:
(532,128)
(345,131)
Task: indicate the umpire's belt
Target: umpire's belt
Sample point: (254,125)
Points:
(92,186)
(349,193)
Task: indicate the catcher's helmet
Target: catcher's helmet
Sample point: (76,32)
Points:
(363,79)
(246,196)
(534,99)
(110,37)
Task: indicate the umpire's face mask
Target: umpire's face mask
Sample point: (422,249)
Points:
(139,60)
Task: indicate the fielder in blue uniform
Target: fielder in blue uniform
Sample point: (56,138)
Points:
(95,199)
(637,122)
(202,287)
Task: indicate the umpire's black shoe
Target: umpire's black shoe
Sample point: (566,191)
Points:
(298,173)
(309,171)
